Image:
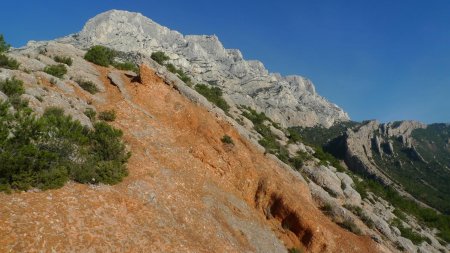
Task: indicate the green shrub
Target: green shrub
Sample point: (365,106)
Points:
(408,232)
(425,215)
(45,152)
(298,160)
(170,67)
(109,115)
(294,250)
(58,70)
(350,226)
(17,102)
(294,136)
(4,47)
(105,143)
(100,55)
(52,178)
(8,63)
(360,213)
(12,87)
(62,59)
(160,57)
(327,208)
(214,95)
(327,158)
(88,86)
(227,140)
(254,116)
(126,66)
(90,113)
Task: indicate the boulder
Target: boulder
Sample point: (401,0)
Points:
(326,179)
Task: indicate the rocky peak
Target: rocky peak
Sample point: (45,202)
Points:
(291,100)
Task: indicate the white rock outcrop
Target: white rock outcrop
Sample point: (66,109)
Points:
(288,100)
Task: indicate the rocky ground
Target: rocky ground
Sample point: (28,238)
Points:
(187,191)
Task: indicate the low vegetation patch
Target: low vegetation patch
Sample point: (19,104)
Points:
(227,140)
(4,47)
(214,95)
(90,113)
(406,232)
(12,87)
(350,226)
(327,159)
(295,250)
(426,216)
(109,115)
(8,62)
(5,61)
(356,210)
(100,55)
(269,141)
(48,151)
(58,70)
(105,57)
(88,86)
(160,57)
(126,66)
(62,59)
(180,73)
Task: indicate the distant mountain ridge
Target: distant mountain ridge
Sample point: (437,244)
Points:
(288,100)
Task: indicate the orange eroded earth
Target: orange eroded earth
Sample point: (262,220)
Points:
(186,192)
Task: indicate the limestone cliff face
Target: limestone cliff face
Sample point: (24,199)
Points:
(374,138)
(289,100)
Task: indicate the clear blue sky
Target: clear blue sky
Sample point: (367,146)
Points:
(382,59)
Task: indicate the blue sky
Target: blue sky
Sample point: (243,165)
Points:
(383,59)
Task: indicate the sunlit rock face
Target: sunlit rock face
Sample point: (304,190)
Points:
(288,100)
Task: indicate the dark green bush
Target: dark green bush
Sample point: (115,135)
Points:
(358,211)
(257,118)
(8,62)
(327,158)
(90,113)
(160,57)
(180,73)
(170,67)
(214,95)
(425,215)
(294,136)
(12,87)
(109,115)
(408,232)
(295,250)
(100,55)
(126,66)
(5,61)
(4,47)
(46,152)
(298,160)
(58,70)
(350,226)
(62,59)
(227,140)
(88,86)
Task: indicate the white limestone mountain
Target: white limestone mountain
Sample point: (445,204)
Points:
(288,100)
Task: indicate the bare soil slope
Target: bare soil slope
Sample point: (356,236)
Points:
(186,192)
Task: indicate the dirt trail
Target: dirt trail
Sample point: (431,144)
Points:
(186,192)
